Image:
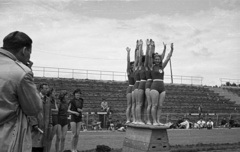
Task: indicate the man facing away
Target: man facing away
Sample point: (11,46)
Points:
(19,97)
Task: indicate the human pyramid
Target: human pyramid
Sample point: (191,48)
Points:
(146,87)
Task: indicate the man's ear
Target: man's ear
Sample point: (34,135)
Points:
(24,50)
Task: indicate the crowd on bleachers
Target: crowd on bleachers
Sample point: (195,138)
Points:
(185,123)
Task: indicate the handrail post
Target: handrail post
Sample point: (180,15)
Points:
(58,72)
(43,71)
(113,76)
(125,76)
(100,75)
(72,73)
(87,74)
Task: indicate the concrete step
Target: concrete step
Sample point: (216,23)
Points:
(228,95)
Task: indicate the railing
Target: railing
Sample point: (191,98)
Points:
(78,73)
(231,81)
(104,75)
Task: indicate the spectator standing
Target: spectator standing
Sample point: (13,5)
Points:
(42,124)
(19,97)
(75,108)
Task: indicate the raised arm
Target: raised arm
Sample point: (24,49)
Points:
(136,57)
(153,47)
(140,56)
(146,64)
(151,52)
(168,57)
(164,50)
(128,60)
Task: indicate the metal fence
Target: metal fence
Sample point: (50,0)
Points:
(224,81)
(104,75)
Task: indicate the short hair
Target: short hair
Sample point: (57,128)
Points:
(41,85)
(77,91)
(16,40)
(50,92)
(62,94)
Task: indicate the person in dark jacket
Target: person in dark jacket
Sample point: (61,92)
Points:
(75,108)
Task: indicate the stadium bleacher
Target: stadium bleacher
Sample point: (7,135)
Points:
(181,100)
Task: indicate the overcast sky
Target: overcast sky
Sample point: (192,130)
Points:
(87,34)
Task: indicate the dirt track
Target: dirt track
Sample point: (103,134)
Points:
(89,140)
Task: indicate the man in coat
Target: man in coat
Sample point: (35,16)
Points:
(19,97)
(42,124)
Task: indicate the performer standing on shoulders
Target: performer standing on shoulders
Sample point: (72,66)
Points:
(130,87)
(157,89)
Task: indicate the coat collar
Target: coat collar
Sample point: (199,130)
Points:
(8,54)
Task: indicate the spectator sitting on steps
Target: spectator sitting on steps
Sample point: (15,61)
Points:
(185,124)
(201,123)
(104,106)
(110,124)
(120,126)
(224,122)
(231,123)
(96,125)
(209,124)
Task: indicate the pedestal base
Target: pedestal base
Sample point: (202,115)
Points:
(146,138)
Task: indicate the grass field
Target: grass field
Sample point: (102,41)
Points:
(90,139)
